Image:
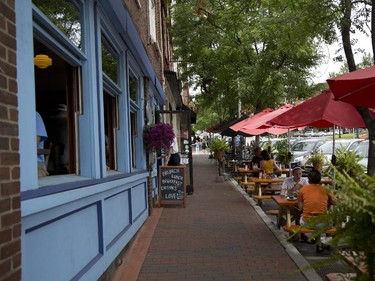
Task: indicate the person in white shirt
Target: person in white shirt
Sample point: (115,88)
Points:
(294,183)
(174,157)
(41,136)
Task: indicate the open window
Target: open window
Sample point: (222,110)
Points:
(57,100)
(110,123)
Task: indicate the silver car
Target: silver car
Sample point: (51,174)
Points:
(347,144)
(362,151)
(303,148)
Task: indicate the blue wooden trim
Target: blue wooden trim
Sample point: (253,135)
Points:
(86,268)
(62,187)
(126,228)
(31,229)
(93,261)
(100,235)
(118,236)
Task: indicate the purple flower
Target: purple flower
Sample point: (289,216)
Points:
(159,136)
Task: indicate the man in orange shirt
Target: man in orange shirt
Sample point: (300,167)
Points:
(313,200)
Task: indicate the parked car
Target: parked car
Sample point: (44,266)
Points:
(303,148)
(347,144)
(362,151)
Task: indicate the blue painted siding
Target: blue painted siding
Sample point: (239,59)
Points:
(74,226)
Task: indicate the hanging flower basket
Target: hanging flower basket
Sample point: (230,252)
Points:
(159,137)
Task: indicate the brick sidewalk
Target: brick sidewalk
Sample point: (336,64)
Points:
(218,236)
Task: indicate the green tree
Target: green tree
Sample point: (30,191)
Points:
(257,51)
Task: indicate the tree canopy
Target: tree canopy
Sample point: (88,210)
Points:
(258,52)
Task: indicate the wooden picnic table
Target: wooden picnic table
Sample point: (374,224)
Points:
(286,204)
(266,181)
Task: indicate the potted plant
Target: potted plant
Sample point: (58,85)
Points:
(219,147)
(348,162)
(283,155)
(317,159)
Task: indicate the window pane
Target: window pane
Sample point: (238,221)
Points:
(109,63)
(65,15)
(133,85)
(110,119)
(133,119)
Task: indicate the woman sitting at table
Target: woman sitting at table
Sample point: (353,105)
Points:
(267,164)
(313,200)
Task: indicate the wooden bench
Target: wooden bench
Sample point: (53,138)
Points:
(262,197)
(300,229)
(247,183)
(252,189)
(273,212)
(270,189)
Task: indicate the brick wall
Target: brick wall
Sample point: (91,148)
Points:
(10,224)
(138,10)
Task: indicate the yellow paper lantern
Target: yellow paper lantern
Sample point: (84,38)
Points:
(42,61)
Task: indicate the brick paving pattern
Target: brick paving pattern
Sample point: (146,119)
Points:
(218,237)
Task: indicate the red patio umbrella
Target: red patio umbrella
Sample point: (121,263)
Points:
(242,123)
(256,123)
(271,130)
(321,111)
(356,88)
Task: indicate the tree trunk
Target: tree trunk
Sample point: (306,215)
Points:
(345,25)
(365,113)
(370,124)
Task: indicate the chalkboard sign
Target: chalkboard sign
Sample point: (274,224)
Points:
(172,185)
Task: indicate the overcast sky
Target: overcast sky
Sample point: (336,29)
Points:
(330,65)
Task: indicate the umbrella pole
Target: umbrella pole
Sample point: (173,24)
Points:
(333,158)
(289,158)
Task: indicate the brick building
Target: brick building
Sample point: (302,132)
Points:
(10,219)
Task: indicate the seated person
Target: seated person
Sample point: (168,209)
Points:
(313,200)
(255,161)
(267,164)
(41,136)
(294,183)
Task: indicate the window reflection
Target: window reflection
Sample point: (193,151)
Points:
(133,88)
(65,15)
(109,62)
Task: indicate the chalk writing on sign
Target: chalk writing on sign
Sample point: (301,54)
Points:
(172,183)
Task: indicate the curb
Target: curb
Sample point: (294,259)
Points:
(303,265)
